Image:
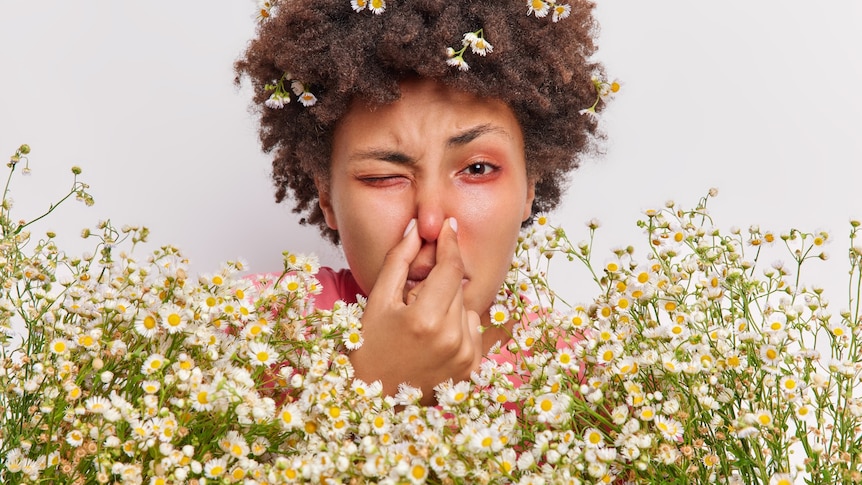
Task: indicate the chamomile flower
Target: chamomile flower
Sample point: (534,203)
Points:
(173,318)
(277,100)
(146,326)
(477,43)
(770,354)
(75,438)
(291,416)
(97,404)
(538,7)
(307,99)
(560,11)
(59,346)
(215,467)
(377,6)
(458,61)
(203,398)
(359,5)
(153,364)
(593,438)
(261,353)
(352,339)
(670,428)
(499,314)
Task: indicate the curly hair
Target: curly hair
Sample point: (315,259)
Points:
(541,69)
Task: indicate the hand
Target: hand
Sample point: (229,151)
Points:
(426,336)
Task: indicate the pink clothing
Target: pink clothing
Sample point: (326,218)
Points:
(336,285)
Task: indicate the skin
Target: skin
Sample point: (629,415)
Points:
(428,195)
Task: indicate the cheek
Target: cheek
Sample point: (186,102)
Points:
(368,229)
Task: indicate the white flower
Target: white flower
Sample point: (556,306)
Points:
(307,99)
(97,404)
(291,416)
(276,100)
(352,339)
(377,6)
(358,5)
(458,62)
(260,353)
(594,438)
(561,12)
(538,7)
(215,467)
(153,364)
(75,438)
(670,428)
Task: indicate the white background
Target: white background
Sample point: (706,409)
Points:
(759,99)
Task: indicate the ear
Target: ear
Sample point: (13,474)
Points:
(325,202)
(531,195)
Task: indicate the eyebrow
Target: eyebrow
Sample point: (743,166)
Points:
(455,141)
(471,134)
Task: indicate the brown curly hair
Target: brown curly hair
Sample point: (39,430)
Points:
(541,69)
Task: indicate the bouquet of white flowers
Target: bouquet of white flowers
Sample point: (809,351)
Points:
(691,364)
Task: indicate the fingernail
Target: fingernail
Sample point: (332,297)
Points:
(453,223)
(409,227)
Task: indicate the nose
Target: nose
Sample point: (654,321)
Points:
(432,208)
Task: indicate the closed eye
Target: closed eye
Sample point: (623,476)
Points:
(382,181)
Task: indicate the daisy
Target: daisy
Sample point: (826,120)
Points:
(59,346)
(352,339)
(561,12)
(261,354)
(770,354)
(153,364)
(307,99)
(566,358)
(537,7)
(377,6)
(593,438)
(97,404)
(291,417)
(276,100)
(358,5)
(418,471)
(670,428)
(762,418)
(215,467)
(75,438)
(459,62)
(173,318)
(146,326)
(203,398)
(499,314)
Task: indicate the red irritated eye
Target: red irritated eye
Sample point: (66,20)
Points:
(480,168)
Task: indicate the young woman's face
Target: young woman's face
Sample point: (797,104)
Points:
(434,154)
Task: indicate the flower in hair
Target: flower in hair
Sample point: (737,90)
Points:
(281,96)
(376,6)
(477,43)
(541,8)
(538,7)
(561,12)
(303,94)
(266,9)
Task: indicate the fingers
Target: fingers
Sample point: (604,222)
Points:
(393,274)
(445,278)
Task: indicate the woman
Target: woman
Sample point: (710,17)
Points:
(420,135)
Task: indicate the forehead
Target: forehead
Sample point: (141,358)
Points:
(425,105)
